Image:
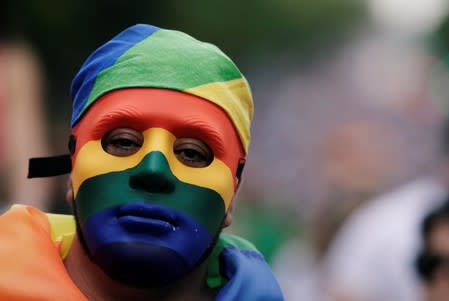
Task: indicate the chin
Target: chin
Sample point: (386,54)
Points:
(141,265)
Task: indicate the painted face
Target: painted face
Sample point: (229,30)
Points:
(153,177)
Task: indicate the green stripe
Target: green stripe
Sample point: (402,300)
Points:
(214,277)
(112,189)
(166,59)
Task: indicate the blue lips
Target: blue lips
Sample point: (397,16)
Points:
(146,218)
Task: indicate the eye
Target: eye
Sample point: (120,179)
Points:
(122,142)
(193,152)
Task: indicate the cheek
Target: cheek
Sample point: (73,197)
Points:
(217,176)
(92,161)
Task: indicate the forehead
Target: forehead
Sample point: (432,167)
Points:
(184,115)
(153,107)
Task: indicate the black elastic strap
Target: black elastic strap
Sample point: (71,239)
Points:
(52,166)
(49,166)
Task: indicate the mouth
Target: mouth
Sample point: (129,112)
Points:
(143,216)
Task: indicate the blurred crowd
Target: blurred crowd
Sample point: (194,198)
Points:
(346,189)
(355,145)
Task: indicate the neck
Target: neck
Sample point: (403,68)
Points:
(96,285)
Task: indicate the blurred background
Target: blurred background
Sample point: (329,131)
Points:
(349,107)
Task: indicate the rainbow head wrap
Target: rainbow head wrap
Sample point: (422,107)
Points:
(147,218)
(148,56)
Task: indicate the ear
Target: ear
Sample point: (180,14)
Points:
(229,216)
(69,193)
(69,196)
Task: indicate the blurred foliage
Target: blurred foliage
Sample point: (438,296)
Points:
(268,227)
(440,39)
(65,32)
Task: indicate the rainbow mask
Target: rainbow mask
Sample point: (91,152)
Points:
(147,218)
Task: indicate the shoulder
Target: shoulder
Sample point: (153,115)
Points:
(22,215)
(30,222)
(239,272)
(215,279)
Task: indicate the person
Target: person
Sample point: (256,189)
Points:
(160,133)
(432,262)
(381,237)
(372,256)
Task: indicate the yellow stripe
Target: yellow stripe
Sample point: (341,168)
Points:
(92,161)
(62,230)
(235,98)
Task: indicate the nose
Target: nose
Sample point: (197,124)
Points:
(153,175)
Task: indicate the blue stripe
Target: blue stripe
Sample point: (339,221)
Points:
(103,58)
(250,277)
(190,239)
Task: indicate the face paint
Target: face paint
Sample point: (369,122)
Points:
(147,218)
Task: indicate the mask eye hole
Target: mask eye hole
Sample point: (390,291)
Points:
(122,142)
(193,152)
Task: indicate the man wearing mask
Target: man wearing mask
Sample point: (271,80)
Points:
(160,132)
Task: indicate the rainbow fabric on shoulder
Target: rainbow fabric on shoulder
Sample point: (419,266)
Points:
(236,270)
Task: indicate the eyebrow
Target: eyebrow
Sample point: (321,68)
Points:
(206,131)
(123,116)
